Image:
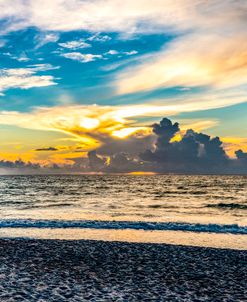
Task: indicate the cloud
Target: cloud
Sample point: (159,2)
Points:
(208,49)
(242,156)
(126,17)
(82,58)
(154,150)
(47,149)
(194,152)
(76,44)
(111,130)
(59,15)
(23,58)
(25,78)
(112,52)
(79,120)
(99,38)
(190,62)
(18,164)
(94,121)
(132,144)
(131,53)
(96,163)
(198,124)
(117,163)
(20,58)
(41,67)
(45,38)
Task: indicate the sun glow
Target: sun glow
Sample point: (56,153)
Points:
(92,126)
(125,132)
(142,173)
(89,123)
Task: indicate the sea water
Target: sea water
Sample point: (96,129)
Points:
(181,209)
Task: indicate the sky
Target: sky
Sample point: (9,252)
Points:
(84,84)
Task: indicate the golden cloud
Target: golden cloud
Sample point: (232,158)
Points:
(90,126)
(196,60)
(88,123)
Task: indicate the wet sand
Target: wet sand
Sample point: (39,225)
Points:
(81,270)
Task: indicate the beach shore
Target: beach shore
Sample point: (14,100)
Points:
(81,270)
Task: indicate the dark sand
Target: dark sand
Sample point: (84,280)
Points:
(53,270)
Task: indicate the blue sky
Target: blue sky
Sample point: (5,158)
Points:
(118,66)
(79,80)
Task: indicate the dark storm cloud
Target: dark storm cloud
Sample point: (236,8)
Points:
(240,164)
(132,145)
(120,155)
(96,163)
(157,152)
(123,162)
(118,163)
(242,156)
(194,153)
(18,164)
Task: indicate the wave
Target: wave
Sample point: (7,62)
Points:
(228,206)
(121,225)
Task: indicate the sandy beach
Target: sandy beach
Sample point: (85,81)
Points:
(60,270)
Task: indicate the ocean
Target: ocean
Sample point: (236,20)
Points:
(180,209)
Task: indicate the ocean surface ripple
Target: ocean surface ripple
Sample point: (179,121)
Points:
(148,202)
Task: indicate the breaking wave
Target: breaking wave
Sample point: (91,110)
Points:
(121,225)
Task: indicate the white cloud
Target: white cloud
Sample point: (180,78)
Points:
(42,67)
(21,58)
(116,52)
(118,16)
(112,52)
(25,78)
(83,58)
(99,38)
(45,38)
(75,44)
(131,53)
(209,50)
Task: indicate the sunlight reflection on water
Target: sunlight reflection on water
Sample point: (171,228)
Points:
(154,198)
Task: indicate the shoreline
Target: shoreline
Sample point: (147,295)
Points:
(181,238)
(88,270)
